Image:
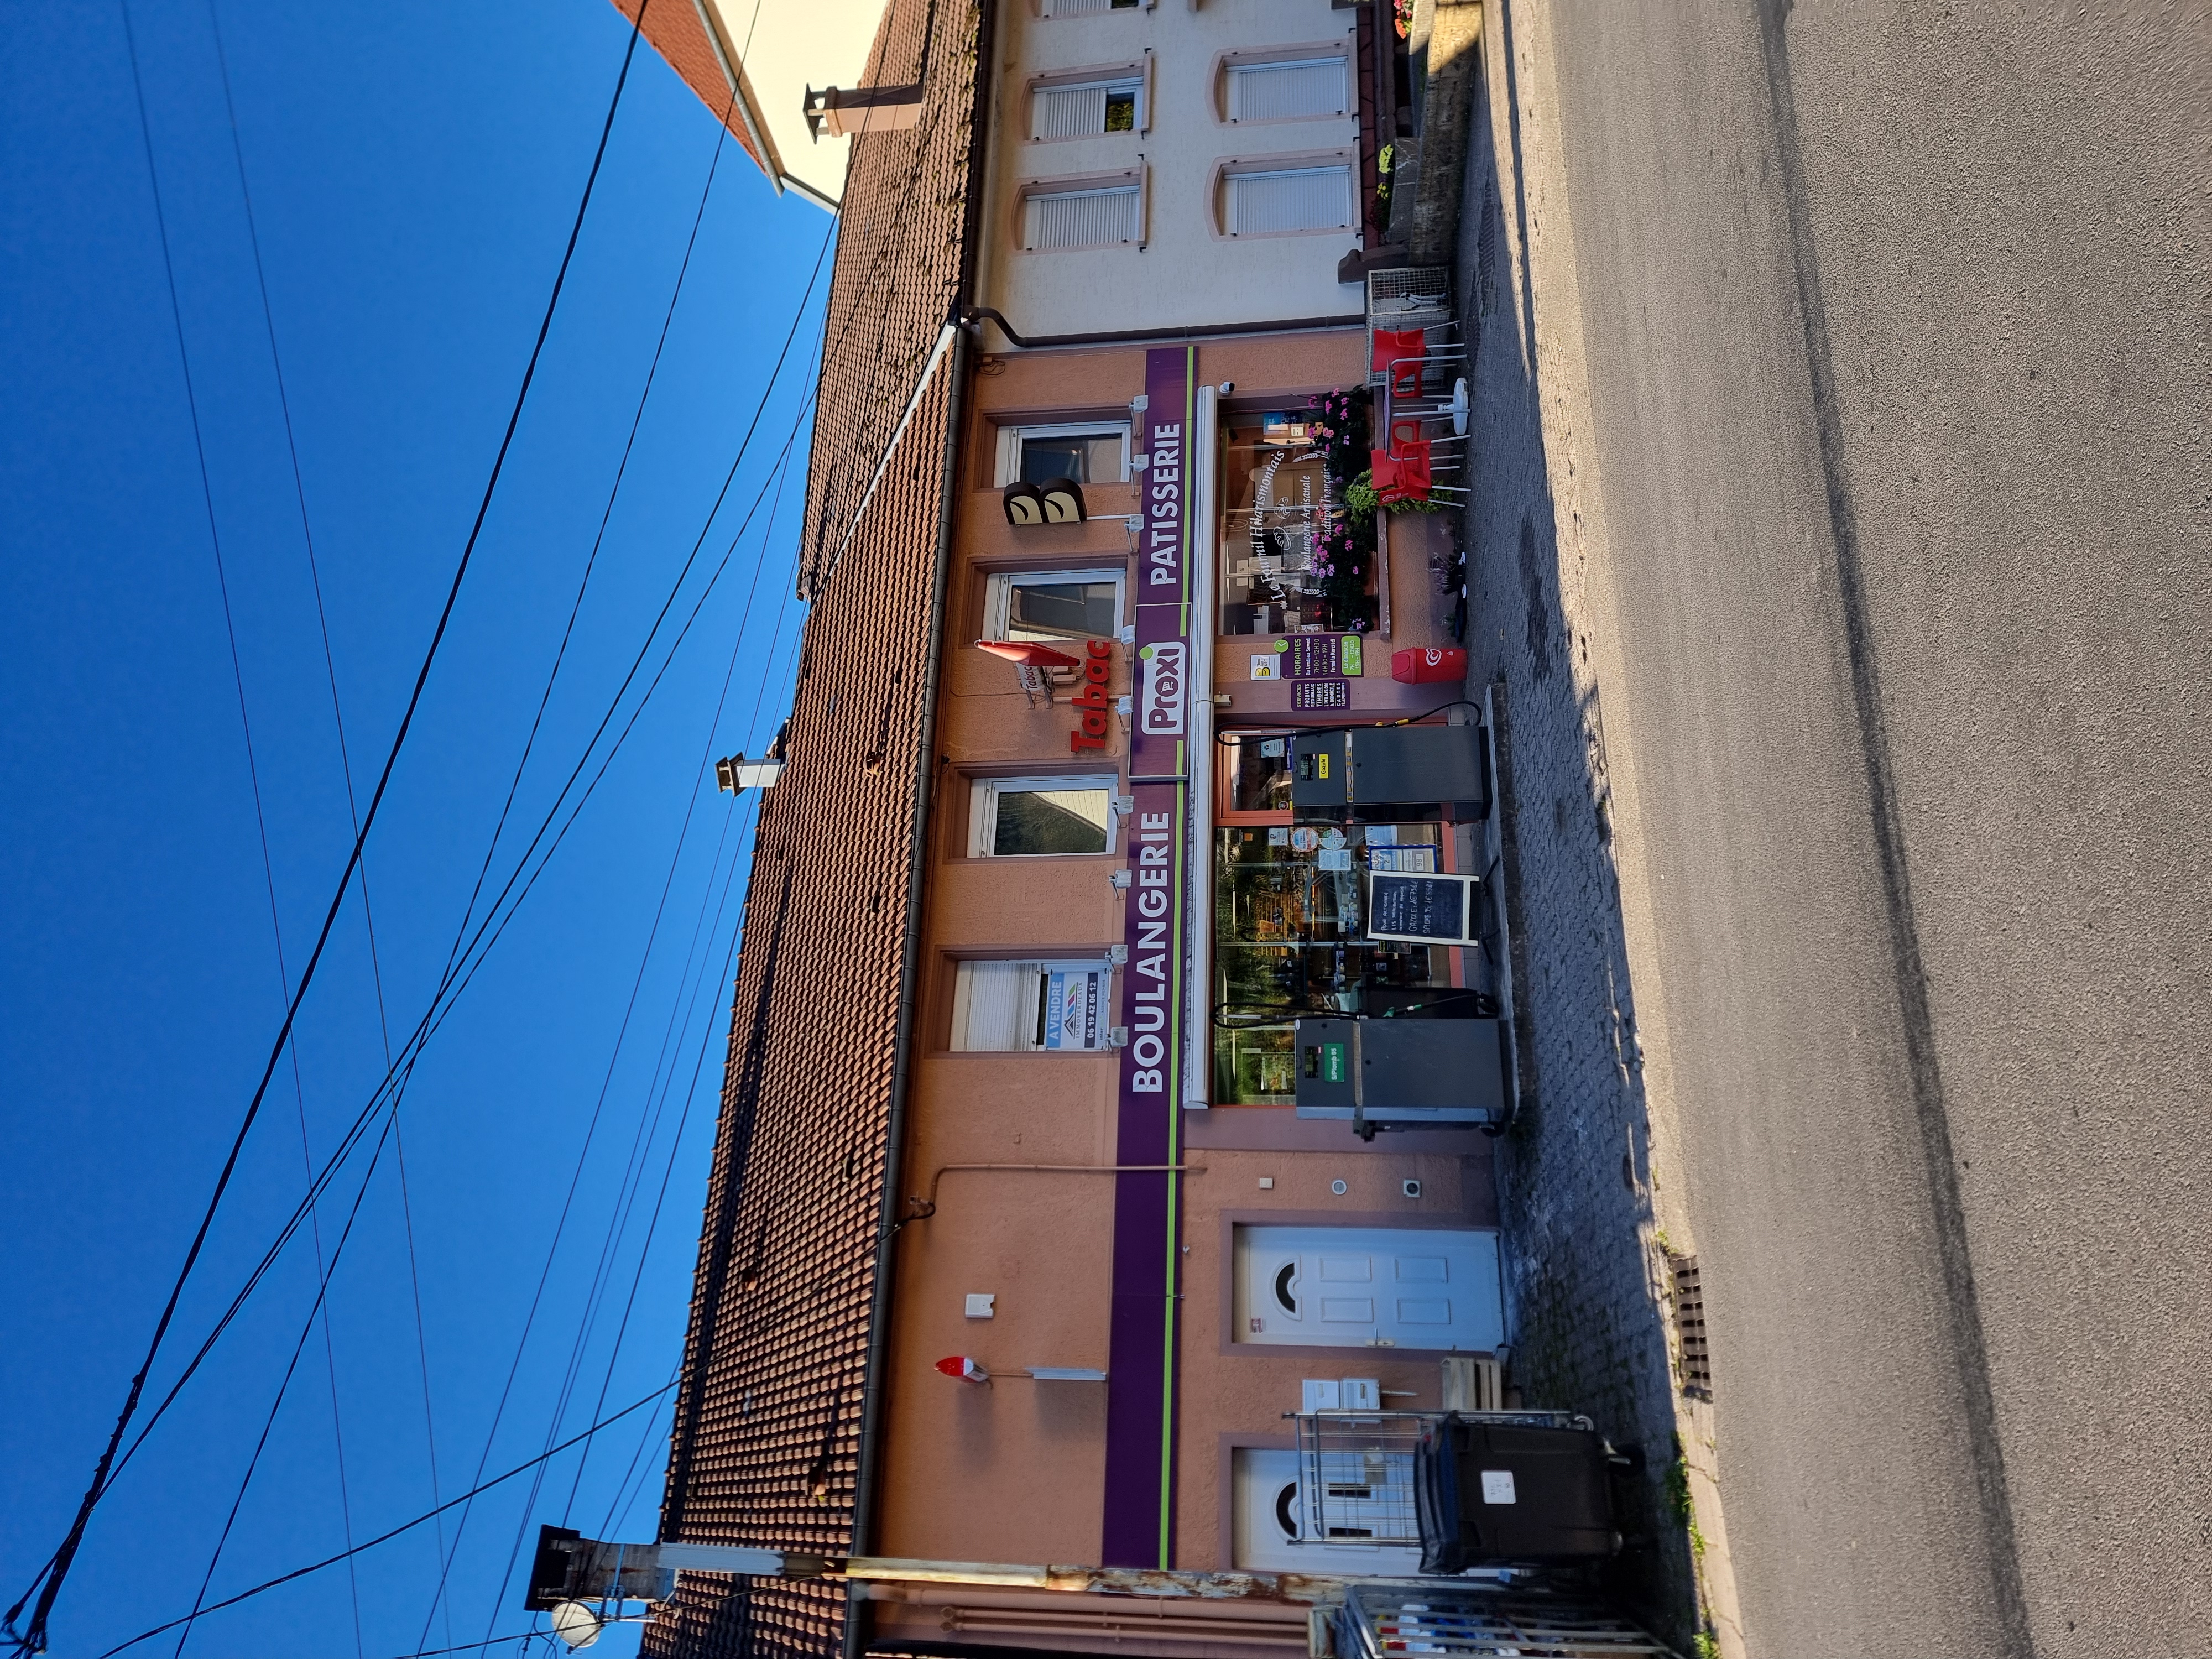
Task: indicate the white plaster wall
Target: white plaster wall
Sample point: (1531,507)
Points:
(1185,274)
(787,46)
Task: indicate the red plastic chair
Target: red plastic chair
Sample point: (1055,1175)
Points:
(1404,477)
(1402,354)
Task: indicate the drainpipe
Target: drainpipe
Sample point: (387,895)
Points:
(974,314)
(872,1399)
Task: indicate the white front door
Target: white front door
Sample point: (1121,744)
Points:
(1269,1524)
(1369,1287)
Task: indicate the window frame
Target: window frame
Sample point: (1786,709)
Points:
(1138,74)
(1136,180)
(998,596)
(984,790)
(1344,160)
(954,1027)
(1343,48)
(1006,464)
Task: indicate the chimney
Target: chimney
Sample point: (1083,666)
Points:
(862,109)
(735,775)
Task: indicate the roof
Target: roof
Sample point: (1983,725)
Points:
(677,30)
(766,1444)
(753,62)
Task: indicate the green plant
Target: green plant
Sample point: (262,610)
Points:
(1696,1543)
(1705,1645)
(1360,501)
(1676,1483)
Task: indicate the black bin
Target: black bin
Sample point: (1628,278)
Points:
(1491,1492)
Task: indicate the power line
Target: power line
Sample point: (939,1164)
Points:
(617,1218)
(51,1577)
(322,619)
(386,1537)
(489,932)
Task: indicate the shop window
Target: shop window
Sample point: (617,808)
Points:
(1298,88)
(1283,565)
(1037,818)
(1103,215)
(1031,1007)
(1085,109)
(1054,604)
(1256,777)
(1276,201)
(1089,452)
(1289,935)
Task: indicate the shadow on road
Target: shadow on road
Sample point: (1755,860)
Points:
(1586,1272)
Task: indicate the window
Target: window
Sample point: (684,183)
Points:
(1030,818)
(1089,452)
(1098,217)
(1298,89)
(1031,1007)
(1278,200)
(1083,109)
(1079,7)
(1054,604)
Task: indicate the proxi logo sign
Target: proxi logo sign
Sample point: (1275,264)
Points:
(1160,714)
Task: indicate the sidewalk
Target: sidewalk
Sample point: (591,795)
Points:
(1586,1175)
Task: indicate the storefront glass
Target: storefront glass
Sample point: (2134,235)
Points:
(1289,939)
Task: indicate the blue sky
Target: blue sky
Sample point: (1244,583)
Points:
(415,168)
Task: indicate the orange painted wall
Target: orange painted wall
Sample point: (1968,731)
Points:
(1013,1472)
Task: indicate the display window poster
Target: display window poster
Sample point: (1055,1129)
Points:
(1073,997)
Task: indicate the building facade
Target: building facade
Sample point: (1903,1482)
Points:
(1041,1198)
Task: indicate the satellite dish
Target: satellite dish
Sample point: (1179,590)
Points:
(576,1624)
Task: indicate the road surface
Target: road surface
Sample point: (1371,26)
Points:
(1871,345)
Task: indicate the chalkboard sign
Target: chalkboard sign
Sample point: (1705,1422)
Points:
(1425,909)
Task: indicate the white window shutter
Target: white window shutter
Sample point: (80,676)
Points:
(1083,218)
(1075,8)
(1069,112)
(1304,199)
(1264,92)
(992,1005)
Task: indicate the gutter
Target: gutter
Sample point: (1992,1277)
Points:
(974,314)
(872,1398)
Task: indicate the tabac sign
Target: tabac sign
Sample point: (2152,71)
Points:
(1141,1408)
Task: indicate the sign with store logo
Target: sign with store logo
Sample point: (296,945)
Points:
(1163,694)
(1139,1490)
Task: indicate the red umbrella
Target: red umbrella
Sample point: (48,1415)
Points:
(1029,654)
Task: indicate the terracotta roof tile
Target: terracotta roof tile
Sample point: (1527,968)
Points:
(766,1437)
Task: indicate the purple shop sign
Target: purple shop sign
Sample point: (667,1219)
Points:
(1137,1527)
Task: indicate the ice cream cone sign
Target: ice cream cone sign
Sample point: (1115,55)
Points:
(964,1368)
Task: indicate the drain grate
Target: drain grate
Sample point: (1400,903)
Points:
(1696,1364)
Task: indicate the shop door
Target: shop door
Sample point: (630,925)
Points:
(1360,1287)
(1268,1525)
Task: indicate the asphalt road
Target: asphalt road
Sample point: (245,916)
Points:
(1894,328)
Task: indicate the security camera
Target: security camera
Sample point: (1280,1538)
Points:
(1228,386)
(1411,1188)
